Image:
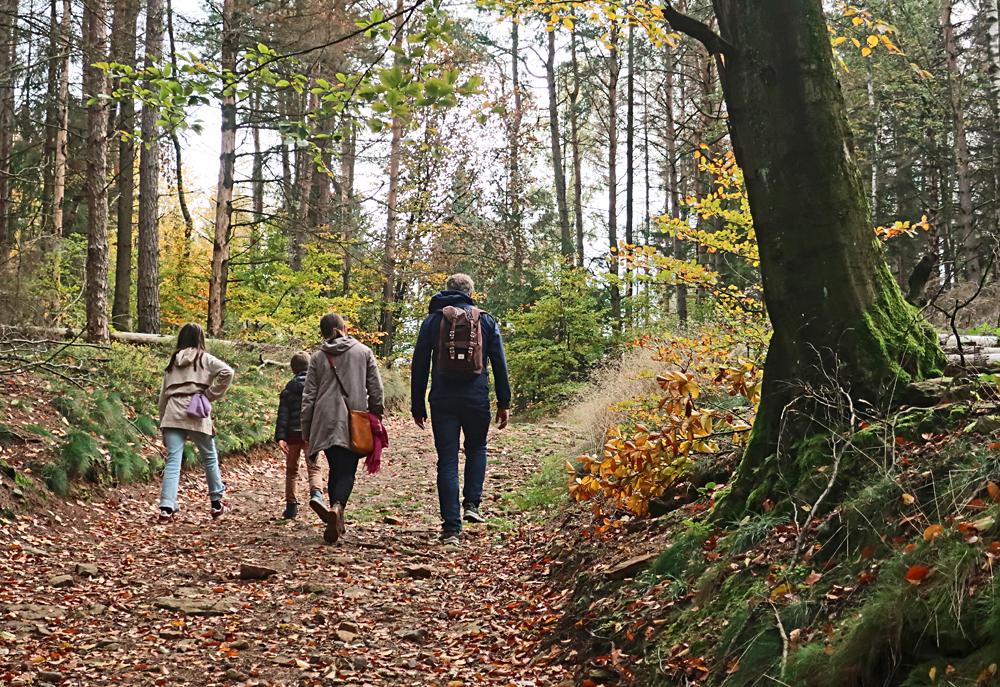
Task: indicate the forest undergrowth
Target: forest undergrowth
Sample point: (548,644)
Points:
(871,564)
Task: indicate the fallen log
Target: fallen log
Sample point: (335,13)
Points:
(138,338)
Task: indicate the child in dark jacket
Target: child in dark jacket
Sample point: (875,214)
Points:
(288,434)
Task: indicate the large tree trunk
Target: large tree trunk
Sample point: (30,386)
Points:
(963,157)
(8,51)
(219,275)
(848,318)
(614,67)
(148,283)
(95,86)
(123,45)
(577,157)
(558,175)
(388,315)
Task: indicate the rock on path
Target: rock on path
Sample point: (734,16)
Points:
(389,606)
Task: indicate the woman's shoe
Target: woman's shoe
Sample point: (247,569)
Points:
(334,524)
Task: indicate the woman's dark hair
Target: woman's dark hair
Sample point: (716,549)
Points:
(191,335)
(332,325)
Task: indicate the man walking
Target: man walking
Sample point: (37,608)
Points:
(460,338)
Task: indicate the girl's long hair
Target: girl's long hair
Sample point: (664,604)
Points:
(191,335)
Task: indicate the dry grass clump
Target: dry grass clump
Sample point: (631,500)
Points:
(629,377)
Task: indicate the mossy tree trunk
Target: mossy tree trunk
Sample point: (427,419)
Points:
(835,308)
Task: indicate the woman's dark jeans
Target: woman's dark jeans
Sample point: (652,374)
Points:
(343,466)
(447,420)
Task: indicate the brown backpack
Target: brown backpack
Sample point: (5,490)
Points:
(460,342)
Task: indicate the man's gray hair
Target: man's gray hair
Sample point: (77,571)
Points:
(460,282)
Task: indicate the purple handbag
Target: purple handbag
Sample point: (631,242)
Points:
(199,406)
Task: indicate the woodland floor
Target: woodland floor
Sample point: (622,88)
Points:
(82,585)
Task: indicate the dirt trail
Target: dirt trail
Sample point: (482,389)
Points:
(83,588)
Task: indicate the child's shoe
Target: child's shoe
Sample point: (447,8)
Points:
(291,510)
(219,508)
(166,516)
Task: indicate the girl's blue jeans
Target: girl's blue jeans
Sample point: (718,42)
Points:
(174,440)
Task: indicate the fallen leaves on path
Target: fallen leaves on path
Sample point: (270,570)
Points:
(97,594)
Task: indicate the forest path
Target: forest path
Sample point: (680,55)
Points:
(84,586)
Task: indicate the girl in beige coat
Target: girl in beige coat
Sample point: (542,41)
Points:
(193,379)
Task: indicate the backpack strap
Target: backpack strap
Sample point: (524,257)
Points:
(343,391)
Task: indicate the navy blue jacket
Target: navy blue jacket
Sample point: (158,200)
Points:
(289,423)
(449,389)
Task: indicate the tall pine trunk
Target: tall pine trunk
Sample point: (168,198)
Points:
(219,276)
(148,283)
(963,157)
(96,182)
(614,67)
(991,14)
(558,174)
(388,315)
(789,128)
(179,161)
(346,202)
(8,52)
(574,122)
(123,46)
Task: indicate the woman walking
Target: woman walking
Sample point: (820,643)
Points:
(342,377)
(193,379)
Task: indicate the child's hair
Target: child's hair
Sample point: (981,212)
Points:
(332,325)
(300,362)
(191,335)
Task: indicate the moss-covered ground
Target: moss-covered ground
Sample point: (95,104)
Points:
(890,583)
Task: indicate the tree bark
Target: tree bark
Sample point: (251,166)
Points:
(614,67)
(95,85)
(848,320)
(8,53)
(148,293)
(388,318)
(219,276)
(673,178)
(123,46)
(963,157)
(558,174)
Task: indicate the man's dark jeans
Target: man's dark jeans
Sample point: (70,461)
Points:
(473,420)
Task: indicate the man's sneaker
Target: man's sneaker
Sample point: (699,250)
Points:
(220,509)
(291,510)
(450,539)
(164,517)
(472,514)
